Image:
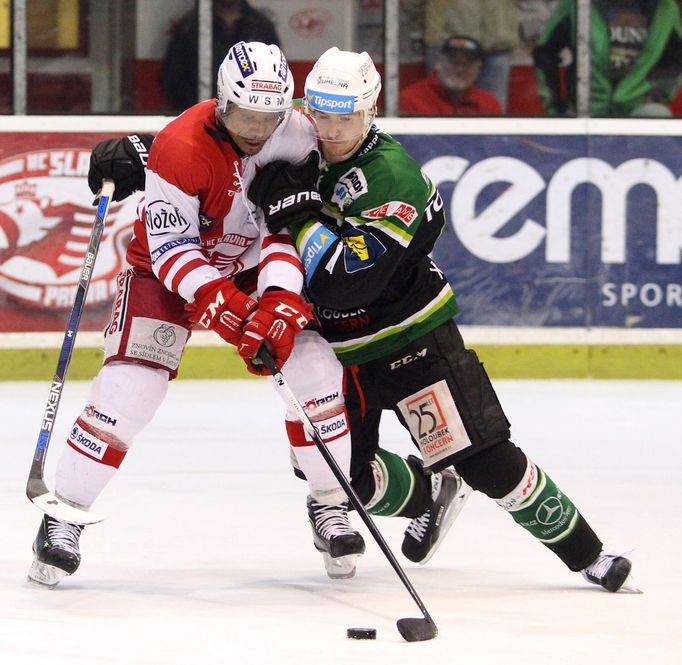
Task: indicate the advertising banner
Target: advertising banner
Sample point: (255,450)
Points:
(560,230)
(46,216)
(569,230)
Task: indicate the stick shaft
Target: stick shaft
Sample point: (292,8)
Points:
(36,484)
(288,393)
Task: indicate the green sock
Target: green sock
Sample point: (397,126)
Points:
(547,513)
(394,481)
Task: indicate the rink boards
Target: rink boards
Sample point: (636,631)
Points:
(563,243)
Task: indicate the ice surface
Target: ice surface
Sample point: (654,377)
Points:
(206,556)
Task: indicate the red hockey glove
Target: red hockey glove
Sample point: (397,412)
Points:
(280,316)
(221,306)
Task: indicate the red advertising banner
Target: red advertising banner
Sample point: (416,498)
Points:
(46,216)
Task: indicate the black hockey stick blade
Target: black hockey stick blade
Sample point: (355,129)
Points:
(417,630)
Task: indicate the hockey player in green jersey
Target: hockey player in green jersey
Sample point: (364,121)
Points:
(387,311)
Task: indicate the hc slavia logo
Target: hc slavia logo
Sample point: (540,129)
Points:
(45,220)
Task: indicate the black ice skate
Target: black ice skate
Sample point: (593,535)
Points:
(333,535)
(425,533)
(56,551)
(611,571)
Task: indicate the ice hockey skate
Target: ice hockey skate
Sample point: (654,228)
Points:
(335,538)
(612,572)
(425,533)
(56,552)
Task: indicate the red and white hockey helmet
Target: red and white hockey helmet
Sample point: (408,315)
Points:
(255,76)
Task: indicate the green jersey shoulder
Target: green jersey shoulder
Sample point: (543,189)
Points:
(367,263)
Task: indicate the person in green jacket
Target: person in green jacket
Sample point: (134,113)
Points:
(635,57)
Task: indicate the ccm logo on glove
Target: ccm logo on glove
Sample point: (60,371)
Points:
(221,306)
(227,318)
(280,316)
(299,319)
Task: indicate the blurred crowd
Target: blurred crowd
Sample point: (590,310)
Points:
(456,57)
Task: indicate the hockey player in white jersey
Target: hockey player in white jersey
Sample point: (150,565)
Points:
(201,258)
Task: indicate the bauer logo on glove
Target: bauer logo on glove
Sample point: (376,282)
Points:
(294,201)
(121,160)
(287,193)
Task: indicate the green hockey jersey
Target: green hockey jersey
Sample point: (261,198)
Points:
(367,263)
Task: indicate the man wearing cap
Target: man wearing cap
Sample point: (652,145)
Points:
(450,89)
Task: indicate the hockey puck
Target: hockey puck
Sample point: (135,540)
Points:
(361,633)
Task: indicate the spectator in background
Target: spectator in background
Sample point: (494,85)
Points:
(233,21)
(493,23)
(636,58)
(370,29)
(533,15)
(450,89)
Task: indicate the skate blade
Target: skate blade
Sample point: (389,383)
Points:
(45,576)
(630,586)
(449,518)
(341,568)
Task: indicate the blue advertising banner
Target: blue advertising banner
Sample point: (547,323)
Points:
(562,230)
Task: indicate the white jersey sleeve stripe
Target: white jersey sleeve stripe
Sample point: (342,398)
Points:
(187,272)
(283,274)
(279,264)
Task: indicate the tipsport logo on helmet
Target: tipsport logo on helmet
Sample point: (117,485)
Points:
(242,57)
(324,101)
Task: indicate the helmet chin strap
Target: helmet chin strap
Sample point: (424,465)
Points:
(371,114)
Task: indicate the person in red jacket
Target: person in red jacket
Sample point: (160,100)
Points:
(450,89)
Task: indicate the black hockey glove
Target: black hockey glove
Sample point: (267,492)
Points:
(121,160)
(287,193)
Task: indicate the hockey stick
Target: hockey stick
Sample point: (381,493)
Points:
(412,630)
(36,489)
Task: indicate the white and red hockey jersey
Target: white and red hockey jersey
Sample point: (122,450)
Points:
(196,223)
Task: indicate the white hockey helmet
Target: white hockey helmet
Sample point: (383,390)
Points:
(343,82)
(255,76)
